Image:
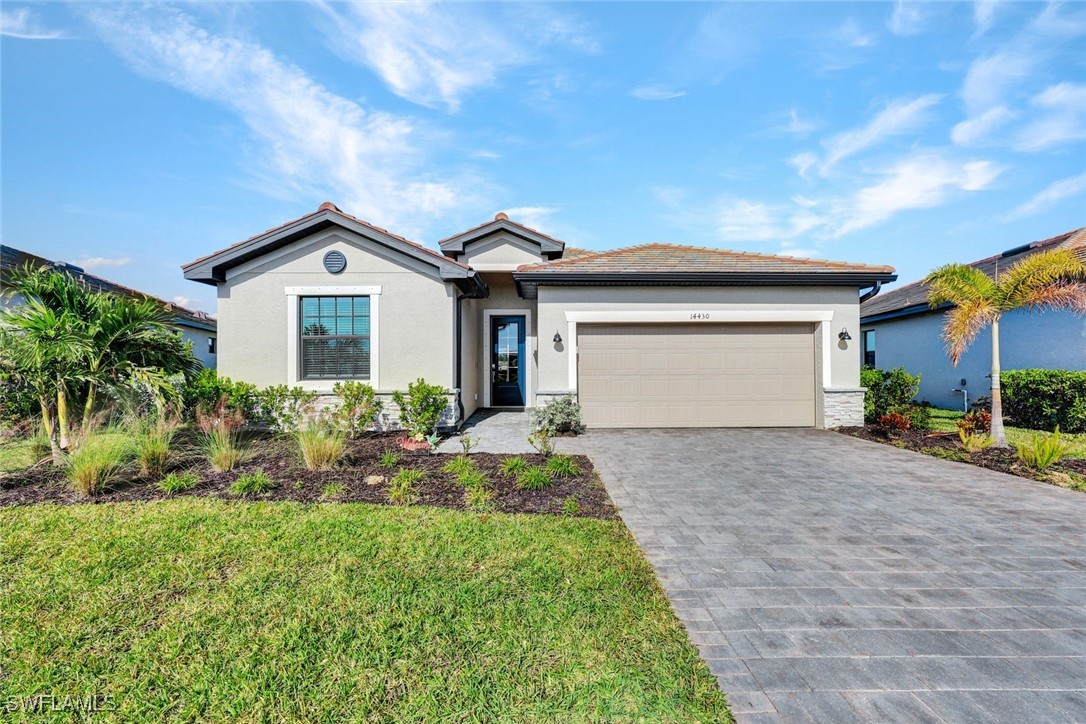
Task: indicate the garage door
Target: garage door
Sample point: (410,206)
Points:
(700,375)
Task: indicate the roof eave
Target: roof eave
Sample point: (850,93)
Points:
(454,245)
(912,310)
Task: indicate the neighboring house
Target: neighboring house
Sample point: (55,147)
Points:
(507,317)
(195,327)
(900,329)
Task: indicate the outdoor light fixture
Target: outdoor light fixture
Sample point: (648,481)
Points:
(844,336)
(557,338)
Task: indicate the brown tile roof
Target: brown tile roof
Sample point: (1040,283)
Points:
(11,259)
(328,206)
(500,216)
(916,293)
(664,258)
(573,252)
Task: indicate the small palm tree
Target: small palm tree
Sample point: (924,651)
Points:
(1046,280)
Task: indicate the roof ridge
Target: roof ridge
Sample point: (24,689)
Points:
(500,216)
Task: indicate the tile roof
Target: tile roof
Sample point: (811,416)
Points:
(916,293)
(664,258)
(11,258)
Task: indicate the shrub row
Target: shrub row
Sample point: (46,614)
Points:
(1045,399)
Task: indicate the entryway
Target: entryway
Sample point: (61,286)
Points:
(508,334)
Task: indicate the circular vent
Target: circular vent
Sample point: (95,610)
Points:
(335,262)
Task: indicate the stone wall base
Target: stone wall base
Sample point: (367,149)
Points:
(843,407)
(389,419)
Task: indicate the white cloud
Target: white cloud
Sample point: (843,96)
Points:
(183,301)
(535,217)
(923,180)
(311,141)
(100,262)
(908,18)
(799,126)
(850,34)
(435,54)
(983,15)
(1050,196)
(656,93)
(803,162)
(1061,119)
(748,220)
(900,116)
(22,23)
(486,154)
(973,130)
(988,78)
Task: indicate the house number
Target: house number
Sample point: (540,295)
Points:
(699,315)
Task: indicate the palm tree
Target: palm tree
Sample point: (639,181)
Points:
(1046,280)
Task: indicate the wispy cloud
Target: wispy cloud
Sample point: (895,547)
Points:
(973,131)
(794,124)
(923,180)
(908,18)
(850,34)
(310,140)
(748,220)
(100,262)
(656,93)
(803,163)
(23,23)
(899,116)
(1062,118)
(436,54)
(989,77)
(183,301)
(1054,193)
(535,217)
(983,15)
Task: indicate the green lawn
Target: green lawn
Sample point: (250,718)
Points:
(195,608)
(14,454)
(946,421)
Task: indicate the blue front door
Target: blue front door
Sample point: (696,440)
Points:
(507,361)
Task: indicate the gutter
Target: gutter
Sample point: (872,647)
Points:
(871,292)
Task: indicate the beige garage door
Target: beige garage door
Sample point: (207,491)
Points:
(697,375)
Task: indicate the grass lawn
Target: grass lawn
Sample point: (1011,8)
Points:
(198,608)
(946,421)
(15,453)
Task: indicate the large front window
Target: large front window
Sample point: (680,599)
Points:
(335,338)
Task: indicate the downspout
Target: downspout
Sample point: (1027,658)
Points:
(458,362)
(870,292)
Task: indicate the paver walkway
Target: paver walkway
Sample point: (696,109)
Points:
(497,431)
(831,579)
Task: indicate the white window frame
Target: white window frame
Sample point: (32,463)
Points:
(529,351)
(325,386)
(822,319)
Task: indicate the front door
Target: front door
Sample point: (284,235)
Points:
(507,361)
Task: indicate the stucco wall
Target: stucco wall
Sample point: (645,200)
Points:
(415,318)
(500,250)
(1046,340)
(554,302)
(199,338)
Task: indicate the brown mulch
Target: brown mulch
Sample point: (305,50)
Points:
(279,460)
(1000,459)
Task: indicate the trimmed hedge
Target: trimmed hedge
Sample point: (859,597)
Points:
(1045,399)
(887,390)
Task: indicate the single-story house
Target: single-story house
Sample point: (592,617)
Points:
(196,327)
(899,329)
(656,335)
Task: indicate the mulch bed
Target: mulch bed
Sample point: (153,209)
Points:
(279,460)
(946,445)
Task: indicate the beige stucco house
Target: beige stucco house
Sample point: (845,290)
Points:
(507,317)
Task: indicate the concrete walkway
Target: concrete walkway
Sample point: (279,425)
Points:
(826,578)
(498,431)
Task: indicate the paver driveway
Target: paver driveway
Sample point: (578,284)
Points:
(831,579)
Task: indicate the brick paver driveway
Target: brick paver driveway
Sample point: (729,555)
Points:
(832,579)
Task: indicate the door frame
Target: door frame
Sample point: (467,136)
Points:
(529,352)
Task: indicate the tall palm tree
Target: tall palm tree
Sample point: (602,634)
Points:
(1046,280)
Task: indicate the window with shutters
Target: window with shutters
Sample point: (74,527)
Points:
(335,338)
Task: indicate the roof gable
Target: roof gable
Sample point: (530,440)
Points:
(913,298)
(548,246)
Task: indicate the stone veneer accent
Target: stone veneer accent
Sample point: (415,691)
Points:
(843,407)
(542,398)
(389,419)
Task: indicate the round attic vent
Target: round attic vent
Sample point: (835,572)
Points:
(335,262)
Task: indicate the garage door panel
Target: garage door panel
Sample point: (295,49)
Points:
(700,375)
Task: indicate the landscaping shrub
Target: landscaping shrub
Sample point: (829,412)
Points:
(919,414)
(893,422)
(479,499)
(560,415)
(401,489)
(459,465)
(887,390)
(178,482)
(514,466)
(977,422)
(206,389)
(542,442)
(390,459)
(97,460)
(468,442)
(570,506)
(254,483)
(563,466)
(534,478)
(221,442)
(321,446)
(472,479)
(331,491)
(1045,399)
(358,407)
(974,441)
(282,408)
(153,441)
(19,404)
(421,408)
(1044,451)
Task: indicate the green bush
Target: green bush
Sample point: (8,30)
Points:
(153,440)
(206,389)
(563,466)
(919,415)
(887,390)
(514,466)
(321,446)
(1045,399)
(459,465)
(178,482)
(254,483)
(358,407)
(1044,451)
(472,479)
(19,403)
(560,415)
(390,459)
(534,478)
(421,408)
(97,460)
(479,499)
(401,489)
(282,408)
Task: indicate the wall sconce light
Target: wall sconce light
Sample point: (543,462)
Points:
(844,336)
(557,338)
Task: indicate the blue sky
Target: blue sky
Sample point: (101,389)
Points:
(139,137)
